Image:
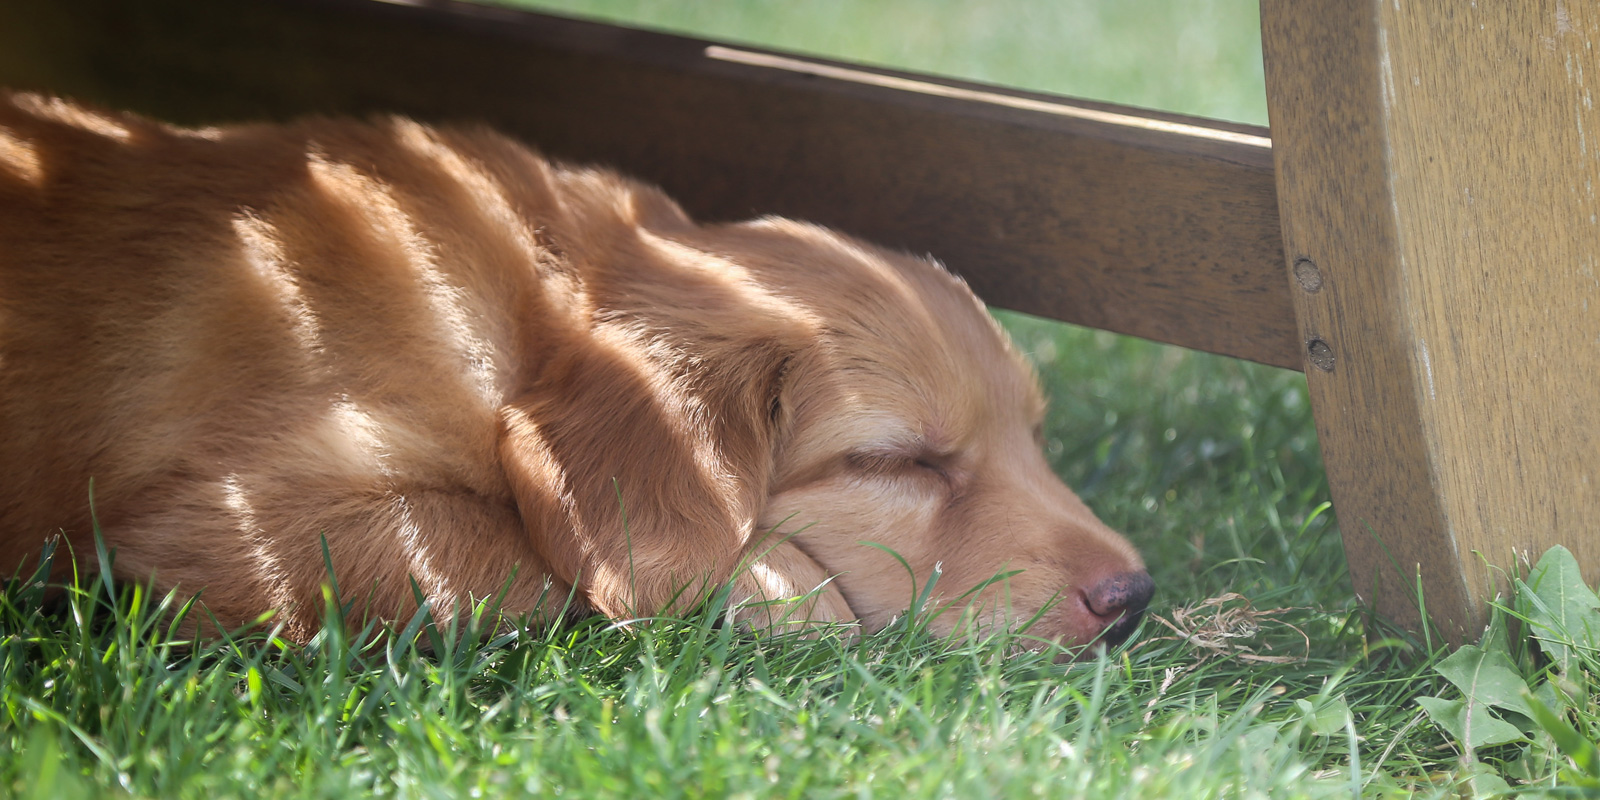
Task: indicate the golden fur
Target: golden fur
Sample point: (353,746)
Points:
(449,357)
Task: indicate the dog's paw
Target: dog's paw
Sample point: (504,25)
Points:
(784,590)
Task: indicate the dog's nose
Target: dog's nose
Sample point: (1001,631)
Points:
(1120,601)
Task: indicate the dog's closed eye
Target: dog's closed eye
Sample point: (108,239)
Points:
(901,464)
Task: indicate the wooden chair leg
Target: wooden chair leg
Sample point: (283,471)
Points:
(1436,165)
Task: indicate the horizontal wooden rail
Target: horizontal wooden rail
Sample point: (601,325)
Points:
(1149,224)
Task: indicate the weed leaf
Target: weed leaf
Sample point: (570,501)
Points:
(1485,729)
(1487,678)
(1560,607)
(1485,782)
(1327,717)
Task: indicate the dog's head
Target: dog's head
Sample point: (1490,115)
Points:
(911,429)
(858,405)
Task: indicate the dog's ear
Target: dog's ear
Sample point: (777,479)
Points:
(640,450)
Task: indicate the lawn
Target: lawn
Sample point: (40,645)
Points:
(1256,675)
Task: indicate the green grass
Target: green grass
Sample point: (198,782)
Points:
(100,697)
(1286,688)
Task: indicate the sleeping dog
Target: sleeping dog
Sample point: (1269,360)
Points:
(455,362)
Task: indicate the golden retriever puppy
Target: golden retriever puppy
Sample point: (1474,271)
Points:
(455,362)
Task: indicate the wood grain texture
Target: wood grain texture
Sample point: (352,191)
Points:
(1143,223)
(1436,163)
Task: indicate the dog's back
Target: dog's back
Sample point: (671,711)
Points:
(268,340)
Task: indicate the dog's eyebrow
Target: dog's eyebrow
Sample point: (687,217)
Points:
(885,428)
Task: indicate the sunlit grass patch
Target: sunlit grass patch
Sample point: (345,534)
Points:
(97,694)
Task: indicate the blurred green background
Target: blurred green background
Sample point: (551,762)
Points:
(1200,57)
(1209,464)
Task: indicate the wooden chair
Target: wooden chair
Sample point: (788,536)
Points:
(1419,233)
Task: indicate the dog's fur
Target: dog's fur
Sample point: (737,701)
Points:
(449,358)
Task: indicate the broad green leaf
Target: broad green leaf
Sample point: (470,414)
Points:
(1552,699)
(1486,678)
(1480,729)
(1486,783)
(1562,610)
(1327,718)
